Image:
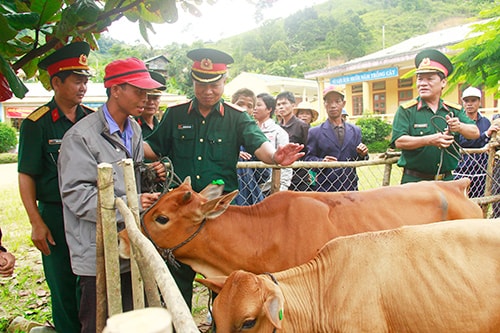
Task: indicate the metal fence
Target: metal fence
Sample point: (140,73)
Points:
(482,166)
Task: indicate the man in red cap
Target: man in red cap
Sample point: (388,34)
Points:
(202,137)
(39,142)
(109,135)
(426,129)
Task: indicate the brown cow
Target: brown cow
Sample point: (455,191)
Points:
(434,278)
(288,228)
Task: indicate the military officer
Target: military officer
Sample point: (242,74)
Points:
(148,119)
(39,141)
(425,129)
(202,137)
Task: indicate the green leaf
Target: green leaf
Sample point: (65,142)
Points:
(168,10)
(87,11)
(44,78)
(111,4)
(16,85)
(7,32)
(46,8)
(23,20)
(132,15)
(143,30)
(103,24)
(31,68)
(69,20)
(14,48)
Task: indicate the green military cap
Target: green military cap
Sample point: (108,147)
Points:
(433,61)
(160,79)
(71,57)
(209,65)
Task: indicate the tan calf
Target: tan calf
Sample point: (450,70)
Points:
(435,278)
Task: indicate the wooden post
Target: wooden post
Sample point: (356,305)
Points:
(101,306)
(182,318)
(387,175)
(142,278)
(275,180)
(110,236)
(132,202)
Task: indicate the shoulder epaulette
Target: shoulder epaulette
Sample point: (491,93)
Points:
(409,104)
(453,105)
(88,108)
(236,107)
(179,104)
(38,113)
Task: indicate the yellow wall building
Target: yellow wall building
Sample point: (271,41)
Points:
(375,83)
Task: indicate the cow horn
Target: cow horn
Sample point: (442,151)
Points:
(187,180)
(186,196)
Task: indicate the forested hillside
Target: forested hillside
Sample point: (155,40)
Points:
(314,38)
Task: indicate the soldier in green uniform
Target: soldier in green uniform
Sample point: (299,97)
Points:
(425,129)
(40,138)
(202,137)
(148,119)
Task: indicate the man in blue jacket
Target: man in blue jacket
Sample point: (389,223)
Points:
(335,140)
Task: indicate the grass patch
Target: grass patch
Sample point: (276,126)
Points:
(25,294)
(8,158)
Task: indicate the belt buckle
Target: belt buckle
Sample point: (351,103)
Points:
(439,177)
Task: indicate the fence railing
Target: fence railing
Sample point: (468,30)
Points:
(150,275)
(481,165)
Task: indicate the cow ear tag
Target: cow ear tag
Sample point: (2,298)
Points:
(280,314)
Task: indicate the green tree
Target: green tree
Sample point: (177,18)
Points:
(352,37)
(279,51)
(478,59)
(8,137)
(32,28)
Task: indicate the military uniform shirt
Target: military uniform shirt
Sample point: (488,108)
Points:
(415,118)
(40,138)
(206,149)
(146,130)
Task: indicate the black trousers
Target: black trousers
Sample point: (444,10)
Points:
(88,302)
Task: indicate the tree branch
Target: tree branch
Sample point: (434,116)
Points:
(37,52)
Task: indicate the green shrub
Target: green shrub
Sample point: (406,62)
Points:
(8,158)
(378,146)
(8,138)
(373,129)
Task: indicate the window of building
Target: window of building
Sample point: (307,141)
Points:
(357,105)
(357,99)
(377,86)
(379,104)
(404,95)
(357,89)
(405,83)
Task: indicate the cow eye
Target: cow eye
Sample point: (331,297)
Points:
(162,219)
(248,324)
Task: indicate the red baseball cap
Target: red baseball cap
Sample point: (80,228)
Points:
(131,71)
(333,89)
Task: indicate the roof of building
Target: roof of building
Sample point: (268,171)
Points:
(404,51)
(273,85)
